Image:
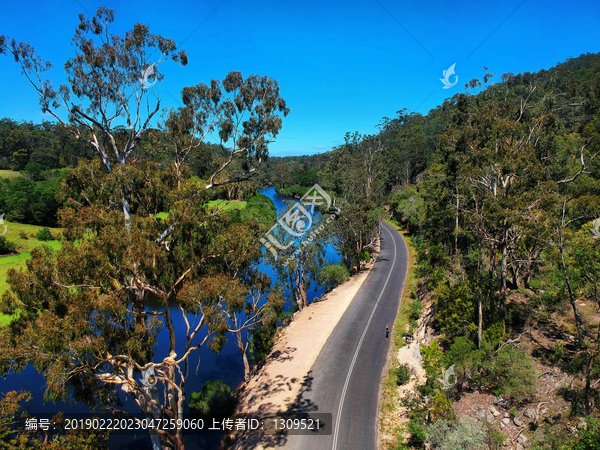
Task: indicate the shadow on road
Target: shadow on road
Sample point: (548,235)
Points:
(301,408)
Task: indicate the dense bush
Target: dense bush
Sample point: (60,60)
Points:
(463,434)
(332,275)
(44,235)
(402,374)
(258,207)
(589,437)
(26,201)
(6,246)
(512,373)
(215,398)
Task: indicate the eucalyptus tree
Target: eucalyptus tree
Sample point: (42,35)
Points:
(84,321)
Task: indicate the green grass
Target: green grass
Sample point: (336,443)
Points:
(228,206)
(24,248)
(10,174)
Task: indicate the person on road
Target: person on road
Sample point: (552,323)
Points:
(387,331)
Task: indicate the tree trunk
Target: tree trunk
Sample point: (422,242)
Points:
(242,347)
(578,320)
(480,297)
(503,284)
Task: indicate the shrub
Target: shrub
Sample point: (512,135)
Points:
(417,431)
(589,437)
(332,275)
(215,398)
(44,235)
(455,310)
(402,374)
(416,309)
(6,246)
(559,352)
(23,235)
(442,407)
(512,373)
(465,433)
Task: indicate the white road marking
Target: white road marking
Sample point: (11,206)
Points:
(339,413)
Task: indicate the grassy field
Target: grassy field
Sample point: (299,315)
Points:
(10,174)
(228,206)
(13,231)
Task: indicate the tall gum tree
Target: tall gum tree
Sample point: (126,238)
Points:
(84,320)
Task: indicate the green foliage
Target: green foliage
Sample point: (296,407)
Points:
(589,436)
(262,336)
(402,374)
(455,310)
(36,203)
(442,407)
(432,357)
(418,433)
(408,206)
(465,433)
(215,399)
(559,352)
(416,309)
(13,436)
(35,171)
(512,373)
(450,435)
(7,247)
(258,207)
(44,235)
(332,275)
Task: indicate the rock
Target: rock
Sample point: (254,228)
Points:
(506,421)
(518,422)
(493,411)
(497,400)
(572,430)
(502,424)
(522,438)
(529,413)
(506,415)
(480,415)
(520,446)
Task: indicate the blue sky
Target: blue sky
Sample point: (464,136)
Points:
(342,65)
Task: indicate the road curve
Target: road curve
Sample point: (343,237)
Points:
(345,380)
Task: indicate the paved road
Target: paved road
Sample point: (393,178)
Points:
(345,380)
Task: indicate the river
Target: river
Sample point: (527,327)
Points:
(227,366)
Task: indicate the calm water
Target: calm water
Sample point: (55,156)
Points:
(226,366)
